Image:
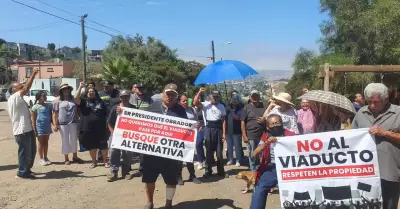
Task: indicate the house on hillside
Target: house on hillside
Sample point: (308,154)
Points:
(48,69)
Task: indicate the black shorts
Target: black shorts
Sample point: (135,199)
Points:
(93,140)
(154,166)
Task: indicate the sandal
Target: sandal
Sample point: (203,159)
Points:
(77,160)
(106,165)
(94,165)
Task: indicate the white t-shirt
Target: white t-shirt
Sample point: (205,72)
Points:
(213,112)
(19,114)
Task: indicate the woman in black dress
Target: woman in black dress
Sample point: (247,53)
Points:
(93,124)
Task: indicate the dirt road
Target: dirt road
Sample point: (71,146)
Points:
(78,186)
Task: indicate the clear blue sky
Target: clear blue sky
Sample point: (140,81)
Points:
(263,33)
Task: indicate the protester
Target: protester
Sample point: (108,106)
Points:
(110,97)
(90,84)
(42,125)
(191,115)
(93,124)
(358,101)
(283,106)
(252,125)
(233,129)
(329,119)
(65,116)
(200,138)
(266,172)
(139,97)
(142,100)
(153,166)
(306,118)
(383,119)
(22,129)
(117,154)
(215,131)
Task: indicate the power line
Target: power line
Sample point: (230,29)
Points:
(47,25)
(61,17)
(112,29)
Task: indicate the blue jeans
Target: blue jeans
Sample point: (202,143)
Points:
(267,181)
(251,146)
(199,145)
(234,140)
(26,152)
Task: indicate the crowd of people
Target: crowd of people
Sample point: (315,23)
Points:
(89,117)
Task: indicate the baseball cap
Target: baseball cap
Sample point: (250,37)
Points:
(124,93)
(108,83)
(215,93)
(171,88)
(254,92)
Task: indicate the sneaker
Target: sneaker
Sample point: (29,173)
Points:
(128,176)
(194,180)
(48,162)
(237,164)
(229,162)
(180,181)
(43,162)
(196,163)
(200,166)
(113,176)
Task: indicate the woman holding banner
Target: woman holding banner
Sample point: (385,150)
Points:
(266,173)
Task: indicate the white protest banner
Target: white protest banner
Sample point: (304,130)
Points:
(155,134)
(335,168)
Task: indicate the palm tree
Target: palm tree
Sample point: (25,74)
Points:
(117,70)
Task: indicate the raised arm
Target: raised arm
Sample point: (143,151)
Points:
(28,84)
(77,96)
(196,99)
(270,107)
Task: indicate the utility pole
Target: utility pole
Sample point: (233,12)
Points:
(83,46)
(212,51)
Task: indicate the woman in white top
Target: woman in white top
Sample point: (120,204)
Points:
(282,106)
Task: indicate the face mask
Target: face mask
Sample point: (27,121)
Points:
(276,131)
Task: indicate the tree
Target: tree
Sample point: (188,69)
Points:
(51,47)
(76,50)
(117,70)
(153,62)
(93,70)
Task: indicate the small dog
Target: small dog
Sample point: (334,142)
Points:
(249,177)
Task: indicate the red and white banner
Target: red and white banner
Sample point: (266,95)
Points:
(338,168)
(155,134)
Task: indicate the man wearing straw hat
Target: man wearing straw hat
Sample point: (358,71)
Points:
(22,127)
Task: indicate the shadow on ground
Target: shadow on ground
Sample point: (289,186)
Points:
(64,174)
(206,203)
(8,167)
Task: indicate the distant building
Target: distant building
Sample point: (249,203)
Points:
(49,69)
(95,56)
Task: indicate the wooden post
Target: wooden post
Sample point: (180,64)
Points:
(326,78)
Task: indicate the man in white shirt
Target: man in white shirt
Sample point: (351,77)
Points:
(214,133)
(22,127)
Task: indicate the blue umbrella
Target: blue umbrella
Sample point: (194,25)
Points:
(224,70)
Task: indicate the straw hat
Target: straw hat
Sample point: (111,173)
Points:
(65,85)
(284,97)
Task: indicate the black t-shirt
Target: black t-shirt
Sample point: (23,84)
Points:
(155,161)
(112,117)
(250,116)
(93,115)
